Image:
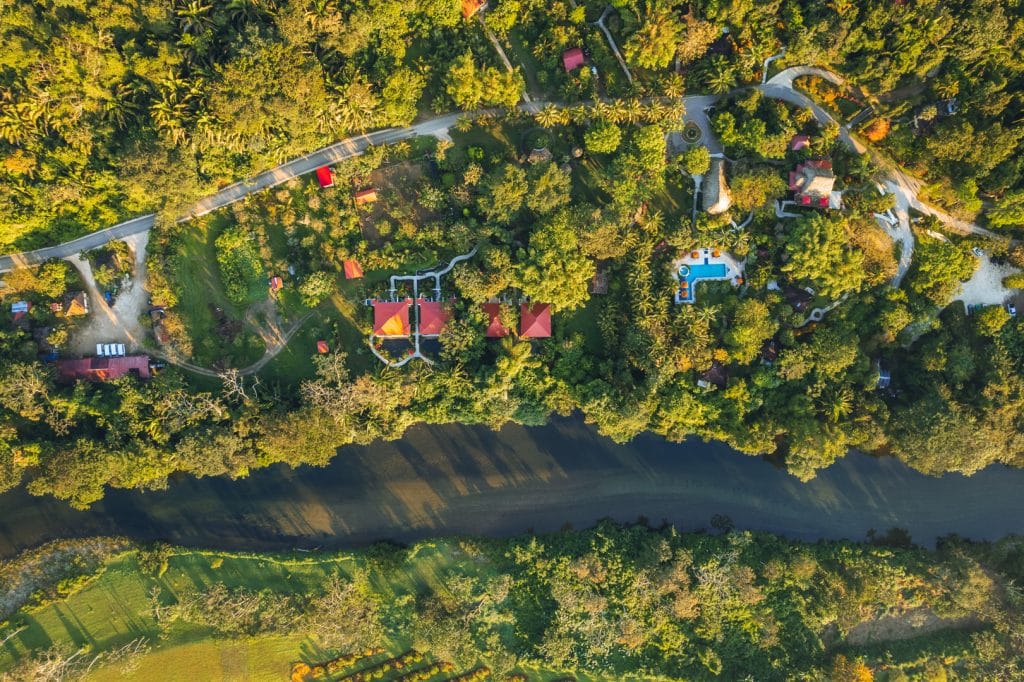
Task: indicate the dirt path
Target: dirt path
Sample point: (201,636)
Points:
(119,323)
(280,340)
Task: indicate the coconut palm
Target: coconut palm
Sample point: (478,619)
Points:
(194,16)
(721,75)
(632,110)
(551,116)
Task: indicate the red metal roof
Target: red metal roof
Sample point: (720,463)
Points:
(325,177)
(535,321)
(391,318)
(352,269)
(322,347)
(432,317)
(276,283)
(495,329)
(103,369)
(572,59)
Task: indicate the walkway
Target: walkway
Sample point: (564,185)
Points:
(611,42)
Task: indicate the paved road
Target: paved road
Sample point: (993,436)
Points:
(779,86)
(232,193)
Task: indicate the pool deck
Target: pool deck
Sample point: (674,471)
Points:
(733,271)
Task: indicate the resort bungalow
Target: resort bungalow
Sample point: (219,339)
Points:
(365,196)
(20,310)
(391,318)
(573,59)
(534,321)
(716,375)
(325,177)
(432,317)
(799,142)
(76,303)
(103,369)
(471,7)
(352,269)
(495,329)
(275,283)
(812,183)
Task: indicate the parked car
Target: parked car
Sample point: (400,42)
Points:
(978,252)
(1012,309)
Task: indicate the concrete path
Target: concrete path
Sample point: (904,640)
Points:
(611,42)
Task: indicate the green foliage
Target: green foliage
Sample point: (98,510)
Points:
(549,188)
(655,41)
(470,86)
(816,251)
(553,269)
(697,160)
(610,603)
(991,319)
(751,326)
(317,287)
(1008,211)
(938,268)
(240,270)
(602,137)
(755,189)
(503,192)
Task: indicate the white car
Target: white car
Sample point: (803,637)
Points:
(978,252)
(1012,309)
(99,350)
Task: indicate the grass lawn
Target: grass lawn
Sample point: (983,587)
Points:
(200,290)
(116,608)
(584,321)
(519,53)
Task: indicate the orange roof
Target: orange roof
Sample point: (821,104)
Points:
(366,196)
(352,269)
(391,318)
(495,329)
(276,283)
(432,317)
(535,321)
(471,7)
(322,347)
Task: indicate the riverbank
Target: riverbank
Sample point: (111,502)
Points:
(457,480)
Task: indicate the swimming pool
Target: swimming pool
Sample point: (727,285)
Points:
(694,272)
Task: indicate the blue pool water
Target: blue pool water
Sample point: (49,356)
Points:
(698,271)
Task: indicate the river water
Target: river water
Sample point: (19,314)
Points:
(455,479)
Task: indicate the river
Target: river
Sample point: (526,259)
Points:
(442,480)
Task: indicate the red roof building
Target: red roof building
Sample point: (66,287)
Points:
(391,318)
(799,142)
(325,177)
(322,347)
(103,369)
(812,183)
(572,59)
(365,196)
(495,329)
(535,321)
(432,317)
(275,283)
(352,269)
(471,7)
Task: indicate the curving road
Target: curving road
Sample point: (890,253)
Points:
(779,86)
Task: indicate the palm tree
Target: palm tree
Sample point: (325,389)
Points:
(194,16)
(632,110)
(551,116)
(721,76)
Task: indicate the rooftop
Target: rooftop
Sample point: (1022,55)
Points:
(495,329)
(103,369)
(572,59)
(535,321)
(391,318)
(432,317)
